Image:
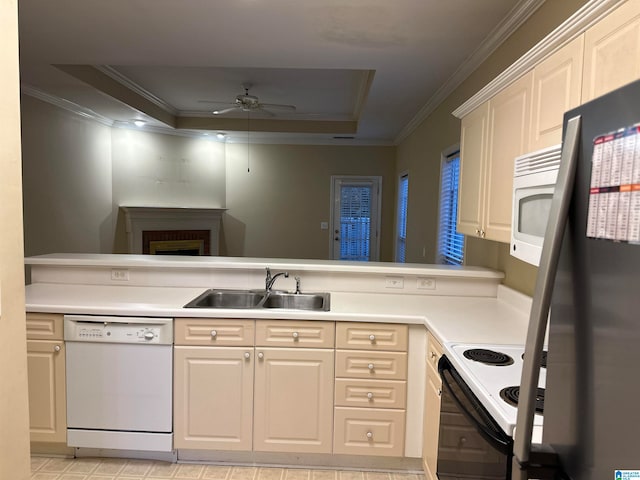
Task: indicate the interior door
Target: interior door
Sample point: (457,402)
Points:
(355,218)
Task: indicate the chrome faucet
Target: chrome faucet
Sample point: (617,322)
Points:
(270,280)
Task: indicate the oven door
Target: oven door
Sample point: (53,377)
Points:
(471,444)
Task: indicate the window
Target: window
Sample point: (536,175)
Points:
(450,242)
(401,237)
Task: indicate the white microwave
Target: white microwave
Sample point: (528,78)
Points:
(534,181)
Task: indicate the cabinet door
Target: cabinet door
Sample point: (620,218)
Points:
(473,155)
(557,83)
(431,423)
(47,396)
(293,408)
(509,120)
(213,397)
(612,51)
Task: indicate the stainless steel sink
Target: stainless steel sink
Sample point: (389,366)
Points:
(298,301)
(220,298)
(226,299)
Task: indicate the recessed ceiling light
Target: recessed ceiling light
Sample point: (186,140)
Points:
(221,136)
(216,112)
(139,123)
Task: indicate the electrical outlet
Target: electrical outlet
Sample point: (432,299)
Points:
(425,283)
(120,274)
(394,282)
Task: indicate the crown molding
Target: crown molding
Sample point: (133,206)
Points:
(133,86)
(574,26)
(65,104)
(516,17)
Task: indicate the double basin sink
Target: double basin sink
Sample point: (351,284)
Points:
(257,299)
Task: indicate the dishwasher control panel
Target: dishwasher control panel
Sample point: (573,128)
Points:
(88,328)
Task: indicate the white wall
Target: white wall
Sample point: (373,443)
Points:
(66,181)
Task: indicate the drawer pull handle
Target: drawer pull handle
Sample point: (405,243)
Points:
(369,435)
(247,355)
(433,355)
(56,348)
(371,366)
(295,335)
(260,355)
(370,396)
(439,392)
(372,338)
(214,333)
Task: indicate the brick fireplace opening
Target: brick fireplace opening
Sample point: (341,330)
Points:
(172,230)
(176,242)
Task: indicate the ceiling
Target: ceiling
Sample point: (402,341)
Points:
(367,69)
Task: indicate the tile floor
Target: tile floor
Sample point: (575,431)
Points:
(53,468)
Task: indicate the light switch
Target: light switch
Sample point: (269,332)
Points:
(324,225)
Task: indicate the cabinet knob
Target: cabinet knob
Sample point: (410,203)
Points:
(372,338)
(214,333)
(482,233)
(433,355)
(369,435)
(477,231)
(295,335)
(247,355)
(439,392)
(56,348)
(370,395)
(370,366)
(260,355)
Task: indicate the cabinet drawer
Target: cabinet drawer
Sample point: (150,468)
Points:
(434,351)
(292,333)
(372,365)
(351,392)
(44,326)
(214,332)
(368,431)
(371,336)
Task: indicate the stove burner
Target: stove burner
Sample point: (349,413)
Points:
(489,357)
(543,359)
(511,395)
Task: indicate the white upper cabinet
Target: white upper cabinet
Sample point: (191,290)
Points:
(557,86)
(612,51)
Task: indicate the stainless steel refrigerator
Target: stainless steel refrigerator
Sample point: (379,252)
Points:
(588,286)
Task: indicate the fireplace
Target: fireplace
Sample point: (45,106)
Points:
(172,230)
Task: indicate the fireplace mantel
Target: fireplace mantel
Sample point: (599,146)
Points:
(140,219)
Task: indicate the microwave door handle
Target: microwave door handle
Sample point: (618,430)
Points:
(501,444)
(542,298)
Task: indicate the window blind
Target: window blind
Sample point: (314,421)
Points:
(403,198)
(355,223)
(450,242)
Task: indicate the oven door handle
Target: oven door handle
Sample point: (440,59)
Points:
(503,443)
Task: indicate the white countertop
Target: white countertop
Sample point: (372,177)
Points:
(245,263)
(450,319)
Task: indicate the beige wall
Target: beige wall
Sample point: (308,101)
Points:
(419,154)
(14,404)
(275,209)
(67,181)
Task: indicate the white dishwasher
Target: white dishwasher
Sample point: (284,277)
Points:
(119,382)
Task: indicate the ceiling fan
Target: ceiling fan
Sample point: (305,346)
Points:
(249,104)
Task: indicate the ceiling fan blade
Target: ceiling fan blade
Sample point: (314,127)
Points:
(279,106)
(226,110)
(219,102)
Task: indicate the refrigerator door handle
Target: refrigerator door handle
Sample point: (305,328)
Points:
(545,280)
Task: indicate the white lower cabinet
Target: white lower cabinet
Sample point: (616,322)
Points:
(371,389)
(293,400)
(213,397)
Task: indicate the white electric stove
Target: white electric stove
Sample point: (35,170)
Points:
(488,380)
